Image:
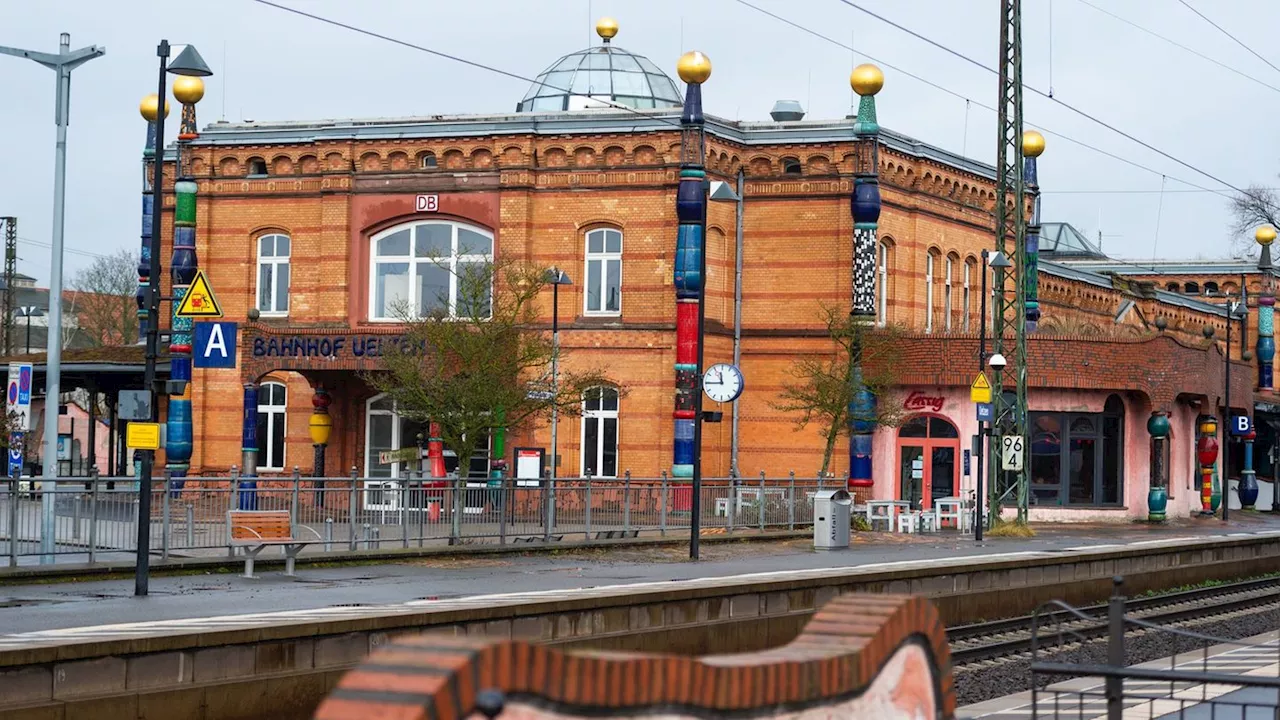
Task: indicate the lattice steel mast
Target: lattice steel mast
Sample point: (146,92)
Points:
(1010,224)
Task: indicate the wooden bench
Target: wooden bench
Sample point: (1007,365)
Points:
(255,530)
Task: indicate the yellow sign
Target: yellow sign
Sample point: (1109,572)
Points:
(142,436)
(199,301)
(980,390)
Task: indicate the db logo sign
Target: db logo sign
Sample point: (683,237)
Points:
(428,203)
(1241,425)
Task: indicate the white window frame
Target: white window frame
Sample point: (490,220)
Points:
(946,294)
(451,264)
(882,303)
(604,258)
(397,441)
(928,292)
(968,297)
(267,444)
(272,264)
(600,416)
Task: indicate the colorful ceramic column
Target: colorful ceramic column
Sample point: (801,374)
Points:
(691,211)
(1032,147)
(320,425)
(1266,347)
(149,108)
(1157,494)
(864,205)
(249,449)
(1207,455)
(1248,489)
(180,432)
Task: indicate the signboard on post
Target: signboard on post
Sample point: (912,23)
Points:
(142,436)
(1011,452)
(986,412)
(215,345)
(529,462)
(18,408)
(1241,425)
(199,301)
(134,405)
(980,390)
(409,454)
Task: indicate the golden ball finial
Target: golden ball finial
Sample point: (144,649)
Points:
(188,89)
(694,67)
(1032,144)
(866,79)
(1265,235)
(606,28)
(149,105)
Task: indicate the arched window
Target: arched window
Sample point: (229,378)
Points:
(791,166)
(257,167)
(929,261)
(427,160)
(603,295)
(886,259)
(968,284)
(273,274)
(1191,288)
(273,400)
(600,432)
(946,293)
(1211,288)
(1173,287)
(431,268)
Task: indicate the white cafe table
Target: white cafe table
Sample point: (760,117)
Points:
(887,511)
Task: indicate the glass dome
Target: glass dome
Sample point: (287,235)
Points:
(605,73)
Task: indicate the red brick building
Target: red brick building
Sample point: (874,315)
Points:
(310,224)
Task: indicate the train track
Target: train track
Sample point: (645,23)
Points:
(1003,639)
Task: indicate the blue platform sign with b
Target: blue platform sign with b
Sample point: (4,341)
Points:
(1241,425)
(215,345)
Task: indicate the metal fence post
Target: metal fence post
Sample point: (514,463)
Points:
(587,530)
(351,510)
(791,500)
(548,506)
(233,491)
(1115,651)
(14,538)
(293,496)
(164,518)
(191,525)
(75,516)
(404,513)
(626,502)
(93,514)
(455,522)
(502,513)
(662,514)
(730,504)
(762,503)
(328,534)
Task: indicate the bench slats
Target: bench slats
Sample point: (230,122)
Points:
(260,525)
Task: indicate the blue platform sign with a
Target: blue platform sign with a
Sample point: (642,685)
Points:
(1241,425)
(985,412)
(215,345)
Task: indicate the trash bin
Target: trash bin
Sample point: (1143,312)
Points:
(831,510)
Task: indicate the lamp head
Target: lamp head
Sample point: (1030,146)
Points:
(997,362)
(189,63)
(1000,261)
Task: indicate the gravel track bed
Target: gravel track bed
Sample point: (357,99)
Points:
(992,679)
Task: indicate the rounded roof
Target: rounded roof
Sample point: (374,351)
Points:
(606,72)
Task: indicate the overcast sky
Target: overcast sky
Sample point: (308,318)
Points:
(272,65)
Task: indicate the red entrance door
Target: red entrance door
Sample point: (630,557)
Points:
(928,460)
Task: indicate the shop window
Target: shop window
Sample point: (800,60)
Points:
(431,269)
(273,274)
(603,295)
(600,433)
(272,403)
(1078,458)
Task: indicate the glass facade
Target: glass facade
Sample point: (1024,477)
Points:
(606,72)
(1077,458)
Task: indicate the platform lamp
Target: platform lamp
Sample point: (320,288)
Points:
(555,277)
(188,64)
(28,312)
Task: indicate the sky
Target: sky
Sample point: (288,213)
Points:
(273,65)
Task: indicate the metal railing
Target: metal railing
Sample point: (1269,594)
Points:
(95,519)
(1240,679)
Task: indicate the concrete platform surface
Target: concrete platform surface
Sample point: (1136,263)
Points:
(43,606)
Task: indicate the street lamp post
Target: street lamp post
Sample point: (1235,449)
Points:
(1226,413)
(62,63)
(556,277)
(28,312)
(188,63)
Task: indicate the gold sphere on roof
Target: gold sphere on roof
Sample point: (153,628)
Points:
(866,79)
(606,27)
(694,67)
(1265,235)
(188,89)
(149,105)
(1032,144)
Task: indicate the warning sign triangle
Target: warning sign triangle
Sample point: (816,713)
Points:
(199,301)
(980,382)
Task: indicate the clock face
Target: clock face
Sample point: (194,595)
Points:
(722,383)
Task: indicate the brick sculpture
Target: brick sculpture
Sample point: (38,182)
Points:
(861,656)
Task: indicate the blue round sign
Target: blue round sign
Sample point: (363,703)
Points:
(13,392)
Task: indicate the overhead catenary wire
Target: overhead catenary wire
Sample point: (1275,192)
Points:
(953,93)
(1223,30)
(1031,88)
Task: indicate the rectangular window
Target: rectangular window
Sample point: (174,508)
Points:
(882,307)
(946,296)
(1077,458)
(603,292)
(273,274)
(928,293)
(968,309)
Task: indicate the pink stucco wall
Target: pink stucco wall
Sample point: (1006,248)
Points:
(1184,493)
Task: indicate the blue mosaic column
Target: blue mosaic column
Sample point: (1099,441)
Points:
(864,205)
(249,449)
(1266,348)
(149,107)
(1032,147)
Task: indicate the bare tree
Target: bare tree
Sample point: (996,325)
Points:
(103,304)
(1257,205)
(474,363)
(828,385)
